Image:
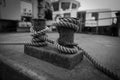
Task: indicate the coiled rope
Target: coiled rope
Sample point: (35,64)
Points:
(38,37)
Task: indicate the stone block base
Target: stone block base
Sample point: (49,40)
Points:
(51,54)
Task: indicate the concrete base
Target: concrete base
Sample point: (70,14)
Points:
(50,54)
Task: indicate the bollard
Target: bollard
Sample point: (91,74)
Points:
(38,38)
(66,28)
(66,33)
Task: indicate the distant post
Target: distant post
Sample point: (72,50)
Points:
(118,24)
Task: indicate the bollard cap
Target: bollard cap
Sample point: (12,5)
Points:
(38,24)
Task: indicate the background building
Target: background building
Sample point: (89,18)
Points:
(12,12)
(16,15)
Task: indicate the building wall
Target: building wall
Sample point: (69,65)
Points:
(99,16)
(26,8)
(10,10)
(39,13)
(99,4)
(105,22)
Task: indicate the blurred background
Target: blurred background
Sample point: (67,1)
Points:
(96,16)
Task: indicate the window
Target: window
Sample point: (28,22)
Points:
(55,6)
(74,6)
(95,15)
(67,15)
(65,5)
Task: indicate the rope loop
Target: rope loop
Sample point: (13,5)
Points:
(66,50)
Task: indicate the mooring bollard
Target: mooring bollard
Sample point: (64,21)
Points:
(66,28)
(66,33)
(38,38)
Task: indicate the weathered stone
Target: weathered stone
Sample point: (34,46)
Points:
(51,54)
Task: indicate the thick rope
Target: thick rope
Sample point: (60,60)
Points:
(100,67)
(66,49)
(70,23)
(38,38)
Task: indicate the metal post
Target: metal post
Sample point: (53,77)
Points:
(97,28)
(118,24)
